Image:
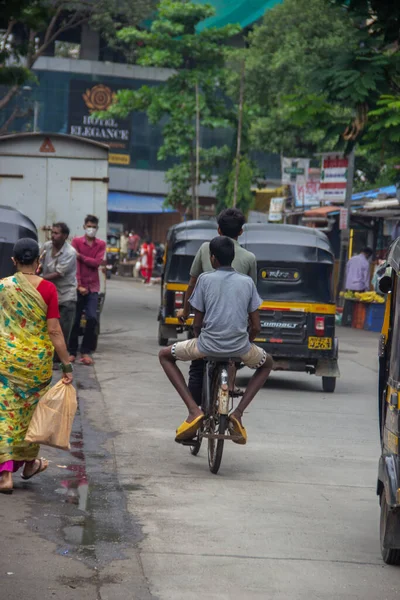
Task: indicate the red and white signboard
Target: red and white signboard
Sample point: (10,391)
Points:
(344,218)
(333,178)
(307,193)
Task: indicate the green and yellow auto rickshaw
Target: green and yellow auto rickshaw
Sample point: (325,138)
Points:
(183,242)
(295,282)
(388,487)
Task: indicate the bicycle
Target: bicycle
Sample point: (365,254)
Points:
(217,401)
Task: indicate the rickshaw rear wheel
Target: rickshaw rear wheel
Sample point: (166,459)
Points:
(329,384)
(391,556)
(162,341)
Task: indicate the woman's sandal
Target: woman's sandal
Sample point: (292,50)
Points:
(42,467)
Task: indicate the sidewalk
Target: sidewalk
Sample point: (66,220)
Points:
(360,345)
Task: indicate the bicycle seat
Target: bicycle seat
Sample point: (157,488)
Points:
(221,359)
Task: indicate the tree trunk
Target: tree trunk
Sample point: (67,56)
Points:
(239,135)
(197,150)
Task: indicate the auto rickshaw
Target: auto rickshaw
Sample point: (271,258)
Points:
(183,242)
(388,487)
(113,254)
(295,273)
(13,226)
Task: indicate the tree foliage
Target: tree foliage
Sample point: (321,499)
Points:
(30,27)
(320,71)
(196,60)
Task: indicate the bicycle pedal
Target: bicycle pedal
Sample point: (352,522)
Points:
(191,442)
(236,394)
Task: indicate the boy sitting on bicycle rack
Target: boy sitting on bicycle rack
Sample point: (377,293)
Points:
(224,301)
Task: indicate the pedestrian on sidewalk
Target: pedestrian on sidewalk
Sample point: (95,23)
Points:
(133,245)
(29,333)
(124,245)
(358,275)
(147,253)
(90,255)
(58,264)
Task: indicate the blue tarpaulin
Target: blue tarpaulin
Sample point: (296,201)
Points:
(136,203)
(390,190)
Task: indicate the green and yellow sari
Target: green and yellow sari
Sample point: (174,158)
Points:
(26,355)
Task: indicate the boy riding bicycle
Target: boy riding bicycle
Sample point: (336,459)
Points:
(224,302)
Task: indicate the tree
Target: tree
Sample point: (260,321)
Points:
(198,63)
(32,26)
(328,68)
(295,41)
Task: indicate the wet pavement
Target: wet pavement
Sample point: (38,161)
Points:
(129,514)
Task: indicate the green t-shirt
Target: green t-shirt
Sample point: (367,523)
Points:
(244,262)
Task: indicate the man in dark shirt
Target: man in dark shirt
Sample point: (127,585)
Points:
(90,253)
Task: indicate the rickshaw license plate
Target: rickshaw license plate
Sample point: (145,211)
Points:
(320,343)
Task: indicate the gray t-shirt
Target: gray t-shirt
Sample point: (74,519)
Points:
(244,262)
(226,297)
(64,263)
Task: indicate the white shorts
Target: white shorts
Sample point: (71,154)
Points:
(185,351)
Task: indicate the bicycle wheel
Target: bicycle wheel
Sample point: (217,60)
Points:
(218,424)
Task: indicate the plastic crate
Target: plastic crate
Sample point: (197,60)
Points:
(359,313)
(374,317)
(347,318)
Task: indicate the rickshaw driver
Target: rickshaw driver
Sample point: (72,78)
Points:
(230,224)
(224,334)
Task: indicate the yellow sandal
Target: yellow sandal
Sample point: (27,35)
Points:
(187,430)
(237,430)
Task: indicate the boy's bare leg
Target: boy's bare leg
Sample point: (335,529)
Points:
(175,376)
(254,385)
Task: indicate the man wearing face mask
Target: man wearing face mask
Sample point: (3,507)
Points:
(90,253)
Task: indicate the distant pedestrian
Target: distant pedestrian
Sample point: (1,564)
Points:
(133,245)
(358,276)
(90,255)
(147,253)
(124,245)
(58,264)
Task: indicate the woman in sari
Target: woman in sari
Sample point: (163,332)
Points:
(29,333)
(147,253)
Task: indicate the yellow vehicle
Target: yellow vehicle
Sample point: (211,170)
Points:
(112,254)
(388,487)
(183,242)
(295,272)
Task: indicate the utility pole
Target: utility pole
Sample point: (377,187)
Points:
(345,233)
(239,135)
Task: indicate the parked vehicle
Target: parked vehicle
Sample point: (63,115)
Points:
(113,254)
(54,178)
(13,226)
(294,280)
(183,241)
(388,487)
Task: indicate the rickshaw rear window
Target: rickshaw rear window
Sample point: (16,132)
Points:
(179,268)
(305,282)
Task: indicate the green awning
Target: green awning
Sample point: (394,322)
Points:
(244,12)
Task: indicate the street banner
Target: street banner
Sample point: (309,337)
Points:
(294,170)
(343,219)
(333,178)
(276,209)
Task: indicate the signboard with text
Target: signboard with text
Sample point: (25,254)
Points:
(294,170)
(86,98)
(344,218)
(333,178)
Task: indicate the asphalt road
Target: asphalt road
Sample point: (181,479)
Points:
(130,514)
